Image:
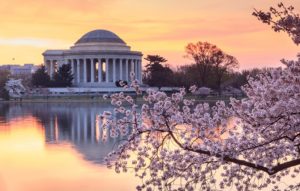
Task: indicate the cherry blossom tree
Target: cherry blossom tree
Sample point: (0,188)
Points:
(176,143)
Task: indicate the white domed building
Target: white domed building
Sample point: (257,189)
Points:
(98,59)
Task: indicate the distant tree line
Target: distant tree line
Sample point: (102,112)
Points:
(211,67)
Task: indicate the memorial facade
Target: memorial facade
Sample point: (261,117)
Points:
(98,59)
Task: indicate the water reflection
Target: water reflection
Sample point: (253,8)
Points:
(56,146)
(74,123)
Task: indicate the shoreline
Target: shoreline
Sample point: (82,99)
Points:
(100,99)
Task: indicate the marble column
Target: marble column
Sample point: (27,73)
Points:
(92,71)
(126,70)
(136,69)
(99,70)
(132,69)
(51,68)
(48,66)
(106,71)
(84,71)
(73,69)
(78,70)
(132,66)
(114,71)
(121,69)
(140,71)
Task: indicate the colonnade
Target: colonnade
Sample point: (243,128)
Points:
(99,70)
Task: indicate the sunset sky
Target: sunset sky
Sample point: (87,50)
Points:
(164,27)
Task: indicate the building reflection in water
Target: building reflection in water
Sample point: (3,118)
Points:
(69,123)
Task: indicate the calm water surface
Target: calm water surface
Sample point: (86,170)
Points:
(56,146)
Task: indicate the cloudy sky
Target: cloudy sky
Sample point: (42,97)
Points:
(165,27)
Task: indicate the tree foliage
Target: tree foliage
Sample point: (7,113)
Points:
(203,54)
(223,64)
(63,77)
(40,78)
(209,59)
(152,59)
(210,69)
(239,79)
(156,74)
(4,76)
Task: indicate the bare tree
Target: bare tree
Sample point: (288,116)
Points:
(202,53)
(209,58)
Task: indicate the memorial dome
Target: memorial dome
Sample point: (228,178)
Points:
(102,36)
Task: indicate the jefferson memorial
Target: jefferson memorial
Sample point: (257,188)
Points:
(98,59)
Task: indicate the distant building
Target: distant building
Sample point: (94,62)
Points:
(14,69)
(98,59)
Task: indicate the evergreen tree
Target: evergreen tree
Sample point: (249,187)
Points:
(64,76)
(155,59)
(156,74)
(40,77)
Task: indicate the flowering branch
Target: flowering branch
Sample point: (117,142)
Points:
(281,19)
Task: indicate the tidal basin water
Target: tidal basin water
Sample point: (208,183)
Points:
(56,146)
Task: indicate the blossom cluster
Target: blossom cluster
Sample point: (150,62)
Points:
(282,19)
